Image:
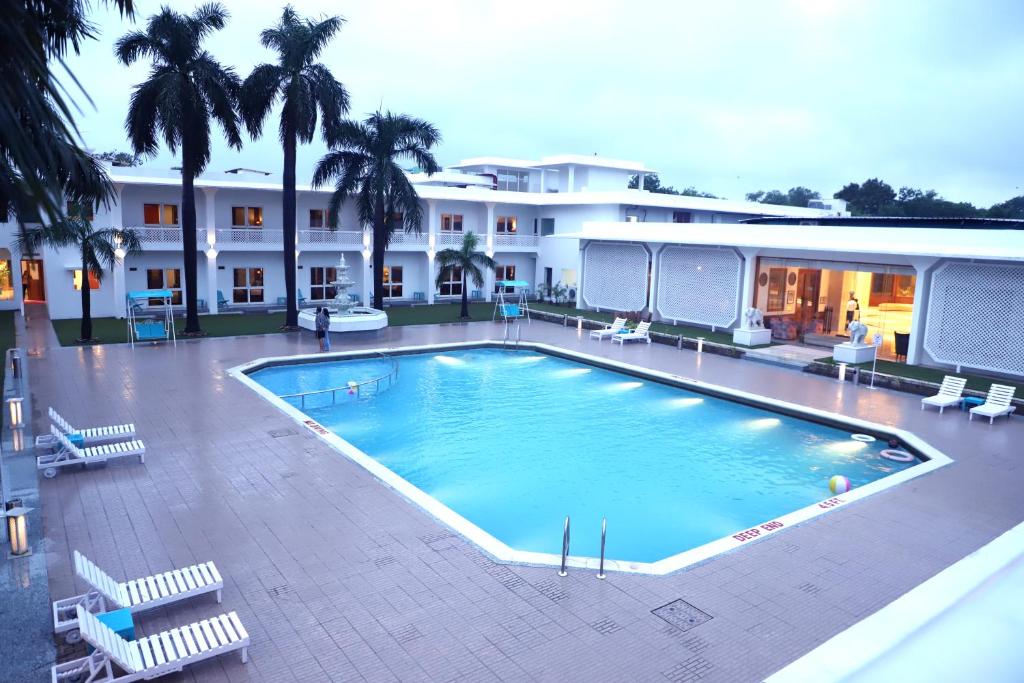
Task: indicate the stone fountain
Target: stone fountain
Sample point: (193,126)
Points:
(345,316)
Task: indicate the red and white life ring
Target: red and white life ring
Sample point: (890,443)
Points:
(897,455)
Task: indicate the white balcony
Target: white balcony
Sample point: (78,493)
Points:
(169,237)
(330,238)
(248,237)
(408,239)
(507,240)
(451,240)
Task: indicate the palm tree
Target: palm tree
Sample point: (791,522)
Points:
(303,86)
(98,250)
(363,164)
(185,88)
(469,261)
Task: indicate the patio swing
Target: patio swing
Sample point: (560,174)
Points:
(143,327)
(510,303)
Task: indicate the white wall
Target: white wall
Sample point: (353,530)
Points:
(133,197)
(601,179)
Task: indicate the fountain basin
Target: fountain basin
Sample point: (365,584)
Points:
(355,319)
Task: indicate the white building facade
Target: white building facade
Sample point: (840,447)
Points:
(516,207)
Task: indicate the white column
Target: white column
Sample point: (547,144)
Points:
(489,274)
(917,317)
(749,277)
(211,214)
(115,218)
(580,275)
(571,180)
(211,280)
(652,294)
(431,247)
(367,254)
(640,181)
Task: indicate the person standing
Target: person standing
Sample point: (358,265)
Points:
(327,329)
(852,307)
(320,326)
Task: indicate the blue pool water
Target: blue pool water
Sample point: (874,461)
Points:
(515,440)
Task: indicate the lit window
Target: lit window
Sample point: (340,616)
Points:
(242,217)
(451,281)
(507,224)
(320,279)
(504,273)
(248,286)
(451,222)
(94,282)
(165,278)
(160,214)
(393,282)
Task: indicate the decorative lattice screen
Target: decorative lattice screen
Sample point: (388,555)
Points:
(975,316)
(615,276)
(699,285)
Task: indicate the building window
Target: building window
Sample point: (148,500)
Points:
(504,273)
(451,222)
(82,210)
(547,226)
(396,219)
(160,214)
(6,280)
(247,216)
(248,286)
(451,281)
(320,279)
(507,224)
(392,282)
(165,278)
(94,282)
(682,217)
(317,218)
(776,290)
(513,181)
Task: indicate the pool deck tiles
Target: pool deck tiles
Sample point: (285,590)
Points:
(338,578)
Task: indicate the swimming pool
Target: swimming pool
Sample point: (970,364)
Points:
(512,441)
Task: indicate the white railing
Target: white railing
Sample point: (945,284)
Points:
(449,239)
(227,236)
(331,237)
(159,235)
(505,239)
(410,238)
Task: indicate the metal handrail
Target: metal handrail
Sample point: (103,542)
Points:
(565,548)
(604,533)
(352,387)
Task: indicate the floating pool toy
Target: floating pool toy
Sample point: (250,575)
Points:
(839,484)
(866,438)
(352,388)
(897,455)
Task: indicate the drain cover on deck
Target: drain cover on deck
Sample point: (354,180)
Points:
(681,614)
(278,433)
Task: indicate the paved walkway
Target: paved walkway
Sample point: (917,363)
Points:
(338,578)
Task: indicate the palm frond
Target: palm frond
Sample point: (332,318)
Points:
(258,96)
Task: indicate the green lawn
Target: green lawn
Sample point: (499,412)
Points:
(114,331)
(888,367)
(685,330)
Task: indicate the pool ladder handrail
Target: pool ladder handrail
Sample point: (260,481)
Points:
(519,333)
(353,387)
(565,548)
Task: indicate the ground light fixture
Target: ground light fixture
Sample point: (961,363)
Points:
(17,527)
(579,324)
(700,344)
(14,412)
(842,372)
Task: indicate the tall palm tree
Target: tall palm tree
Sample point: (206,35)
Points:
(363,164)
(303,86)
(469,261)
(185,89)
(97,248)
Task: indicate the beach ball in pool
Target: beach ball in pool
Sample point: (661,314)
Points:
(839,484)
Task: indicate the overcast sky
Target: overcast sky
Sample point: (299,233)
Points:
(728,96)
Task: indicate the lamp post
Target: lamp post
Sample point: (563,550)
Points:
(700,344)
(17,527)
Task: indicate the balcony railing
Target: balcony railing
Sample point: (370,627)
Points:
(445,240)
(248,236)
(408,238)
(506,239)
(352,238)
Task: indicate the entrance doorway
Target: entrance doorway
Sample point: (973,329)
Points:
(33,288)
(807,286)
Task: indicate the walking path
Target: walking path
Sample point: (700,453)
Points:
(338,578)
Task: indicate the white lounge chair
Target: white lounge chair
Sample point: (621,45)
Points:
(116,660)
(92,436)
(70,454)
(950,393)
(639,334)
(136,595)
(996,403)
(619,324)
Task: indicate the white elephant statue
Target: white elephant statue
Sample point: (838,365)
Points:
(858,331)
(753,319)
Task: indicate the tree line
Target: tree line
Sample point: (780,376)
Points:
(44,169)
(873,197)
